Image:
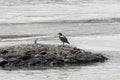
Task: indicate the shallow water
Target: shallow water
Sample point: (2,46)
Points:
(26,11)
(98,37)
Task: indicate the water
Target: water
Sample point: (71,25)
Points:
(25,11)
(92,25)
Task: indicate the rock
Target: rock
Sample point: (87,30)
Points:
(2,61)
(2,51)
(43,52)
(27,55)
(58,62)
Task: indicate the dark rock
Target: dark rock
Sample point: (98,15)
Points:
(30,52)
(43,52)
(58,62)
(2,63)
(2,51)
(27,55)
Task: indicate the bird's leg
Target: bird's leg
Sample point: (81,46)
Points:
(63,44)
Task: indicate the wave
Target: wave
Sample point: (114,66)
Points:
(105,20)
(29,2)
(49,13)
(35,2)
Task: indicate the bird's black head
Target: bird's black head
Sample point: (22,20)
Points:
(60,34)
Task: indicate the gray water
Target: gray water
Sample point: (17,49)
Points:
(34,2)
(92,25)
(87,36)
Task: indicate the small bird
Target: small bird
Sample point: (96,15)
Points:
(35,42)
(63,38)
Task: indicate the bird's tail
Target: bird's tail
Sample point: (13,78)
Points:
(68,42)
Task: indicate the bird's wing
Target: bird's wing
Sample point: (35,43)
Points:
(63,39)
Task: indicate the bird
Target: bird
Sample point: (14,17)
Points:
(35,42)
(63,38)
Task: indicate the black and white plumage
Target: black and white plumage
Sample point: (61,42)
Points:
(63,38)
